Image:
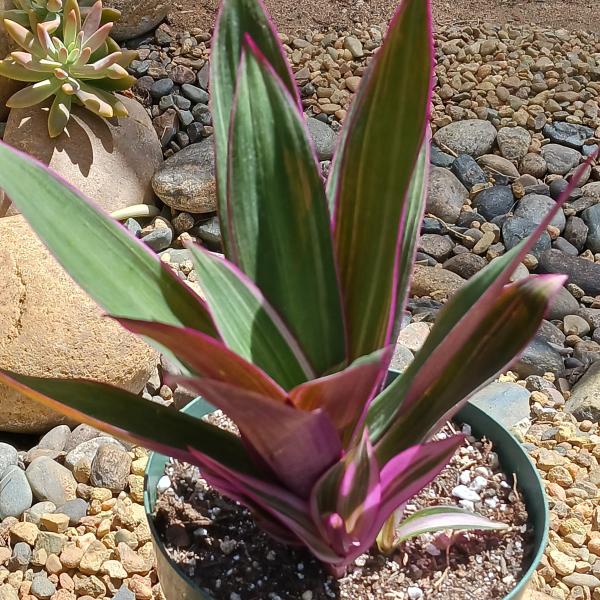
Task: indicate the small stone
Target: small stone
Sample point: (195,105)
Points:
(52,543)
(464,493)
(323,137)
(15,493)
(24,532)
(136,488)
(513,142)
(162,87)
(560,159)
(195,94)
(75,509)
(114,569)
(93,558)
(413,336)
(55,522)
(89,448)
(584,580)
(494,202)
(21,557)
(56,438)
(42,587)
(71,556)
(354,45)
(8,458)
(474,137)
(159,239)
(575,325)
(133,562)
(468,172)
(53,565)
(111,466)
(51,481)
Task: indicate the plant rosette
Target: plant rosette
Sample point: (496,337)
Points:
(177,582)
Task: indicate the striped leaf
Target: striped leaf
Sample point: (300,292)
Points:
(277,212)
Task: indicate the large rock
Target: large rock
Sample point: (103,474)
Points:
(508,403)
(580,271)
(560,159)
(564,304)
(15,493)
(446,194)
(186,181)
(473,136)
(323,138)
(538,358)
(568,134)
(516,229)
(592,190)
(584,402)
(534,208)
(137,16)
(494,202)
(494,165)
(514,142)
(111,162)
(428,281)
(51,328)
(50,481)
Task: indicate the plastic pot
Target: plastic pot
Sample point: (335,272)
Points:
(177,586)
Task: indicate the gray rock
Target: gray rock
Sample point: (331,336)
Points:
(42,587)
(468,172)
(538,358)
(87,450)
(576,232)
(591,217)
(592,190)
(494,202)
(534,208)
(439,158)
(446,195)
(162,87)
(137,17)
(34,514)
(492,165)
(56,438)
(8,457)
(202,114)
(508,403)
(558,186)
(210,233)
(568,134)
(186,181)
(560,159)
(323,137)
(437,246)
(52,543)
(565,246)
(194,94)
(513,142)
(21,557)
(564,304)
(159,239)
(591,315)
(516,229)
(83,433)
(584,402)
(50,481)
(401,359)
(110,468)
(551,333)
(124,593)
(75,509)
(580,271)
(465,264)
(534,164)
(473,136)
(176,256)
(15,493)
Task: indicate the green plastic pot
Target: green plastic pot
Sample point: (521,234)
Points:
(177,585)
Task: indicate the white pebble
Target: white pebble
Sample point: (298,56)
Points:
(464,493)
(307,595)
(467,505)
(465,477)
(414,593)
(432,549)
(491,502)
(479,483)
(466,429)
(164,483)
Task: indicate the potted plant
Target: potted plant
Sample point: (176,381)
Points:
(294,335)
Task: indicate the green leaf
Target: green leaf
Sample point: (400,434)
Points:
(237,18)
(440,518)
(247,323)
(130,417)
(279,234)
(117,271)
(372,174)
(463,363)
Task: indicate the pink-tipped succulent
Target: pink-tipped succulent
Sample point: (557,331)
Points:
(293,337)
(74,67)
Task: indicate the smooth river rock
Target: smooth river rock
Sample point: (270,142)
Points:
(584,402)
(446,194)
(580,271)
(472,136)
(137,16)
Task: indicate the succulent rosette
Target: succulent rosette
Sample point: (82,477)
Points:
(74,67)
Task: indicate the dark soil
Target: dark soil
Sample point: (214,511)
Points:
(219,545)
(292,16)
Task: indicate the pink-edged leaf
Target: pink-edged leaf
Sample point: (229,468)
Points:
(432,393)
(129,417)
(372,173)
(297,445)
(440,518)
(246,321)
(345,395)
(280,235)
(407,473)
(236,19)
(287,509)
(119,272)
(346,499)
(207,357)
(460,318)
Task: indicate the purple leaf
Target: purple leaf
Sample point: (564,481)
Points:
(208,357)
(297,445)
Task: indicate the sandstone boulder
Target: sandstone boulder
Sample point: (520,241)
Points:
(110,161)
(137,17)
(50,328)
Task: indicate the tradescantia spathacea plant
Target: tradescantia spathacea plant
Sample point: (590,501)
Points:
(294,335)
(76,65)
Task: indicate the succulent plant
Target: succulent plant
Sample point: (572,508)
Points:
(295,334)
(74,67)
(29,13)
